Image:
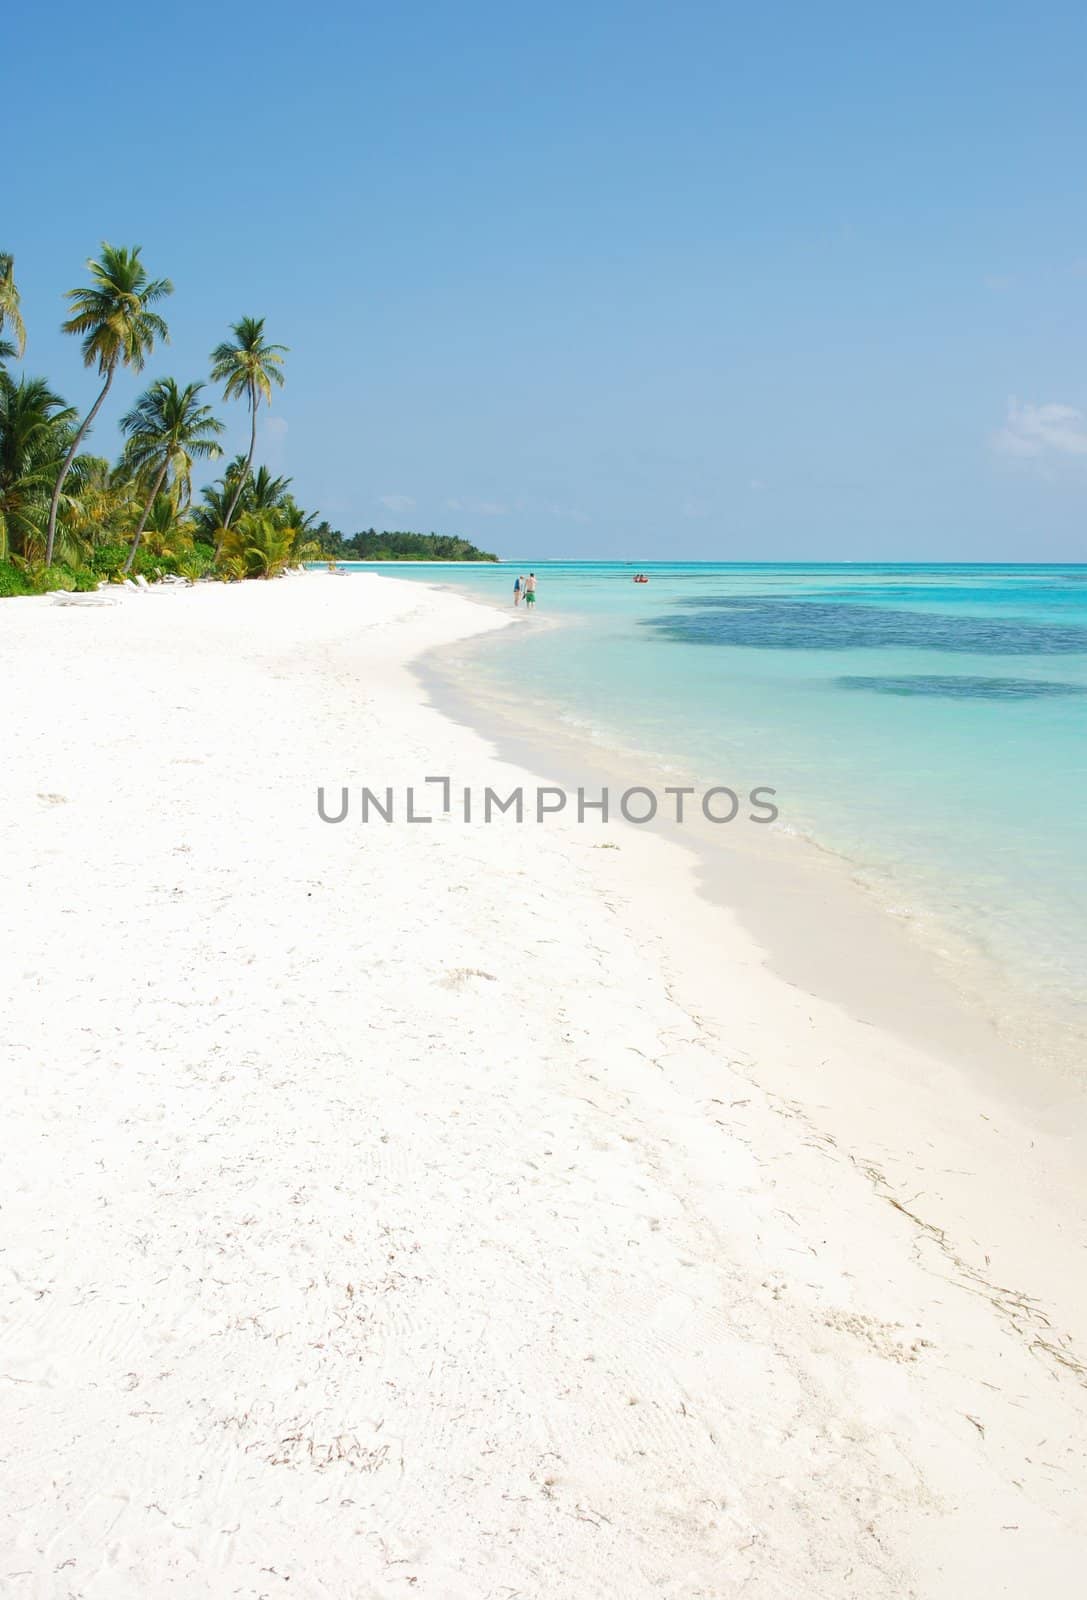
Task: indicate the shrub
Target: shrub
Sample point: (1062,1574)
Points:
(260,542)
(32,577)
(108,559)
(40,579)
(151,566)
(48,579)
(12,581)
(196,563)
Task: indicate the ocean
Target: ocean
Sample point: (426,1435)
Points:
(926,723)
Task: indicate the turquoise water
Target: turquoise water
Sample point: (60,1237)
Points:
(927,723)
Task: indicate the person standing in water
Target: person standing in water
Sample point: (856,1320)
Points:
(530,589)
(518,585)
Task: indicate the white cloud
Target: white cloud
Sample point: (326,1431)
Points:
(1033,431)
(397,502)
(478,508)
(558,508)
(273,439)
(693,507)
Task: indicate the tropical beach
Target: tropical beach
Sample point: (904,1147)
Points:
(543,886)
(452,1206)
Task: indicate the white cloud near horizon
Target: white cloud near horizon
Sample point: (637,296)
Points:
(565,513)
(1034,431)
(521,507)
(396,502)
(478,508)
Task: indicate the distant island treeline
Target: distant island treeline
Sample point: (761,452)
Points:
(370,545)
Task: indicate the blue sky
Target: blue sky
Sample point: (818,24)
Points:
(701,280)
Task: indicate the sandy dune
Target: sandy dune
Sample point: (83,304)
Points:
(385,1211)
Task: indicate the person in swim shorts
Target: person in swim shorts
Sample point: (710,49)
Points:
(530,589)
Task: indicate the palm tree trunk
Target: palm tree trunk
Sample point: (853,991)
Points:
(143,520)
(243,478)
(68,459)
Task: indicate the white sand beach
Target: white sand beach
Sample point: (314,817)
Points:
(468,1211)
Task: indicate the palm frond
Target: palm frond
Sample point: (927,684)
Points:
(36,429)
(112,315)
(9,308)
(248,365)
(170,426)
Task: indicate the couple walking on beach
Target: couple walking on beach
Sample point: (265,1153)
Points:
(526,587)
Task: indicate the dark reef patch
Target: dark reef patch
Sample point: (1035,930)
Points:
(955,688)
(764,622)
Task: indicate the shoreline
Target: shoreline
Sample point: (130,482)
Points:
(955,972)
(831,943)
(477,1179)
(1013,983)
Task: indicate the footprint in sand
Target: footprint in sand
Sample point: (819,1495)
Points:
(457,977)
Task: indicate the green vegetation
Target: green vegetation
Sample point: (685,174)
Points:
(71,520)
(372,546)
(9,310)
(167,431)
(118,330)
(247,366)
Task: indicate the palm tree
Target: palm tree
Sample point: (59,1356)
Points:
(258,491)
(265,493)
(208,515)
(304,543)
(247,366)
(101,503)
(35,428)
(258,545)
(167,526)
(168,429)
(9,308)
(118,330)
